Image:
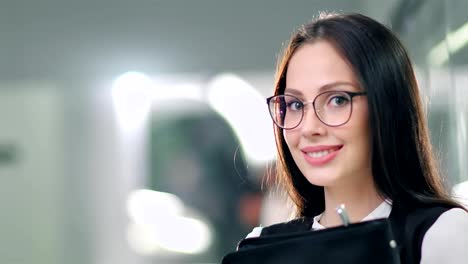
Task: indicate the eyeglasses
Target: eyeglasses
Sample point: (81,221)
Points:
(333,108)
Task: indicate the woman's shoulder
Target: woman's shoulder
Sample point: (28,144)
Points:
(445,241)
(292,226)
(256,232)
(453,221)
(413,215)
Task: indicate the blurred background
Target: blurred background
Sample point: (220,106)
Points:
(137,131)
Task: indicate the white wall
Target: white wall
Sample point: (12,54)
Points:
(31,187)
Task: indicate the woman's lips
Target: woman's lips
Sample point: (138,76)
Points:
(320,155)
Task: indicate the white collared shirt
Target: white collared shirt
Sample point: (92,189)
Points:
(382,211)
(446,241)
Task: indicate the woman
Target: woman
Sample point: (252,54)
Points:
(350,129)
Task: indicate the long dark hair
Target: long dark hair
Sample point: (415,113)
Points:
(403,165)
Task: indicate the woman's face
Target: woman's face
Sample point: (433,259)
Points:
(327,156)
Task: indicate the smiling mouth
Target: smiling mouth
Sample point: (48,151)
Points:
(321,157)
(322,153)
(319,154)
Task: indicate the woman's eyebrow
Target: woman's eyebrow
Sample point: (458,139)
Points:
(293,91)
(324,88)
(331,86)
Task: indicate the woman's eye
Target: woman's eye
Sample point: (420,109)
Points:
(339,100)
(295,105)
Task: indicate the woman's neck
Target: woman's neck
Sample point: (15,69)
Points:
(359,200)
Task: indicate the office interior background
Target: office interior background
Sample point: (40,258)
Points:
(137,131)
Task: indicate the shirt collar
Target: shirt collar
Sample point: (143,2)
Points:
(382,211)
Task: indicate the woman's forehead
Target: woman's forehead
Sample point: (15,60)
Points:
(317,65)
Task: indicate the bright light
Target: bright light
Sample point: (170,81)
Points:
(142,240)
(148,206)
(158,224)
(460,192)
(247,113)
(132,96)
(454,41)
(165,91)
(183,235)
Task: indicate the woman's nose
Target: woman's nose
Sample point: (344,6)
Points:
(311,124)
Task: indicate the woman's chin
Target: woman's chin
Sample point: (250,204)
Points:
(323,181)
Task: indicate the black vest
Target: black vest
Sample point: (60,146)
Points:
(409,227)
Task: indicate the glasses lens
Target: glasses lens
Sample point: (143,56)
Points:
(333,108)
(286,111)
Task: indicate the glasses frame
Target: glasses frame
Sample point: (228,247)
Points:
(350,94)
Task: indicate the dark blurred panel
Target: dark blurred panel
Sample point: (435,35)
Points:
(198,158)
